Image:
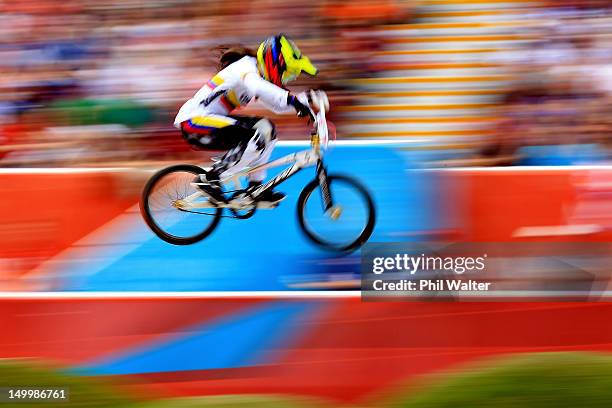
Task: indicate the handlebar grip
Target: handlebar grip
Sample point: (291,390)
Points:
(319,100)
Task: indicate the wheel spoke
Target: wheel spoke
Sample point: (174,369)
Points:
(168,222)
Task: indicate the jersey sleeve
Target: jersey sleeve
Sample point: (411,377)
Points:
(274,97)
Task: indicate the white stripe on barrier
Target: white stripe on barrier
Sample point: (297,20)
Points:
(520,168)
(169,295)
(61,170)
(77,170)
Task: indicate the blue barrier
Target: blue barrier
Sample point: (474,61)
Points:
(561,155)
(268,251)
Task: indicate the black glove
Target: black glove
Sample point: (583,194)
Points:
(301,109)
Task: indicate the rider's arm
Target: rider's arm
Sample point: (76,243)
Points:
(274,97)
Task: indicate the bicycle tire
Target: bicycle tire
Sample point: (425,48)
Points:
(160,232)
(365,233)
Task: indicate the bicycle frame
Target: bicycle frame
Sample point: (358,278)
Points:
(299,161)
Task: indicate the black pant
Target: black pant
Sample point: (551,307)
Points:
(233,138)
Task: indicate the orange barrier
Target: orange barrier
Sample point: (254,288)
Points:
(542,204)
(44,212)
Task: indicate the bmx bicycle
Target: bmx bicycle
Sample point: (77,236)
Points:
(180,213)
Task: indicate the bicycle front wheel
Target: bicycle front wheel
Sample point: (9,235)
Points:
(347,225)
(161,209)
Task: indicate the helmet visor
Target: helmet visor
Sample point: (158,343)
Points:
(296,63)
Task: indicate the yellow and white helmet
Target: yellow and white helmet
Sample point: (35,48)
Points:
(280,60)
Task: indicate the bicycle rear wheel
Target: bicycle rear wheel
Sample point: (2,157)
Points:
(158,206)
(350,222)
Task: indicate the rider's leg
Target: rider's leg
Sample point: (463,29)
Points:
(257,152)
(267,131)
(250,141)
(214,132)
(238,159)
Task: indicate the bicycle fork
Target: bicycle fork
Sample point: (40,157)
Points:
(328,203)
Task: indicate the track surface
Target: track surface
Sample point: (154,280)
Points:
(334,348)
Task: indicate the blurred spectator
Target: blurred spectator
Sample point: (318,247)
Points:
(82,78)
(89,77)
(563,90)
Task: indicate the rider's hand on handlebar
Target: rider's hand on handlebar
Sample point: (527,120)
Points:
(301,107)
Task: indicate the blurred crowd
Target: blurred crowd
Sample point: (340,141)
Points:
(98,82)
(558,110)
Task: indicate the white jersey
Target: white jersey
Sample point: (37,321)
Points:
(234,86)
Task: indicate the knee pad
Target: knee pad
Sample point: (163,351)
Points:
(266,129)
